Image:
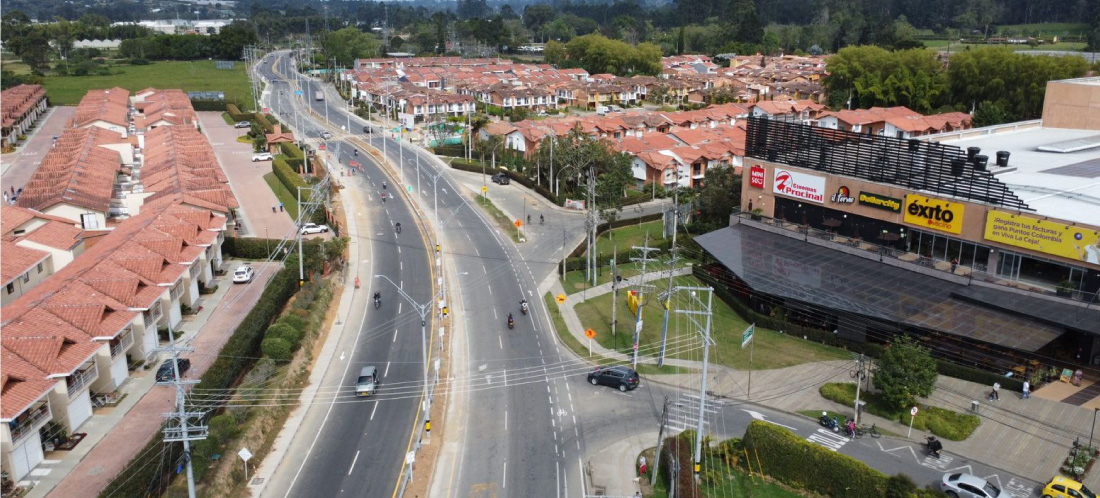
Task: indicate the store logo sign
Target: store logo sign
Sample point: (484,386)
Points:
(880,201)
(933,213)
(843,195)
(756,176)
(799,185)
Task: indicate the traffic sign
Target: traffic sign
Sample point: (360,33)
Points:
(518,223)
(560,298)
(913,411)
(245,454)
(591,334)
(747,335)
(484,189)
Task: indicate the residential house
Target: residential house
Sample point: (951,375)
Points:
(20,107)
(34,245)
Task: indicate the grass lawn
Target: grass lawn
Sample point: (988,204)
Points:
(772,349)
(186,75)
(940,421)
(16,66)
(626,237)
(959,47)
(575,281)
(290,203)
(1047,29)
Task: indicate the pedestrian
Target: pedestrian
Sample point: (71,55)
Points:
(13,190)
(5,197)
(272,208)
(994,395)
(954,264)
(641,465)
(280,207)
(1027,390)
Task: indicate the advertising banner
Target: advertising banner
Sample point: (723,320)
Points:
(756,176)
(891,204)
(799,185)
(1046,237)
(936,214)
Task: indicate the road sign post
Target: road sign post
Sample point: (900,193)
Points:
(912,415)
(746,338)
(246,456)
(590,334)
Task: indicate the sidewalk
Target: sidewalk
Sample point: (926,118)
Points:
(1029,438)
(116,435)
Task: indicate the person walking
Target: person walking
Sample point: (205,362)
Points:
(1027,390)
(954,264)
(641,466)
(272,208)
(280,206)
(994,395)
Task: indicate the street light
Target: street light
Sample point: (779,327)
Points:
(422,310)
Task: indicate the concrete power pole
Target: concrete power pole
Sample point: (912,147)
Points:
(660,439)
(666,300)
(593,222)
(643,289)
(692,313)
(183,426)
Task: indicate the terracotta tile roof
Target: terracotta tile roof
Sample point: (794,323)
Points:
(179,160)
(18,260)
(55,234)
(76,171)
(111,106)
(17,101)
(48,342)
(21,384)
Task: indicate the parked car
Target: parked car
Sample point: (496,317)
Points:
(165,373)
(262,156)
(309,228)
(961,485)
(243,124)
(502,179)
(243,274)
(1064,487)
(623,378)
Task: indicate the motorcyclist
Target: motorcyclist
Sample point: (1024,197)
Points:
(523,306)
(383,185)
(851,428)
(824,420)
(398,227)
(355,152)
(511,320)
(934,446)
(528,219)
(541,219)
(383,197)
(377,299)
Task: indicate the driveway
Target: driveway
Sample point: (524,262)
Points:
(246,178)
(18,166)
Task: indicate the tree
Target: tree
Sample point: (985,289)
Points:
(554,52)
(233,38)
(33,51)
(988,114)
(905,371)
(719,195)
(537,15)
(348,44)
(742,23)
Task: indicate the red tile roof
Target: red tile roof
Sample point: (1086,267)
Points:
(21,384)
(76,171)
(18,260)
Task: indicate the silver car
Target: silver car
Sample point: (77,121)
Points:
(960,485)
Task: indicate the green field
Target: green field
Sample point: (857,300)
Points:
(1045,29)
(941,45)
(185,75)
(772,349)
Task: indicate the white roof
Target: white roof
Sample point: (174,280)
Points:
(1062,185)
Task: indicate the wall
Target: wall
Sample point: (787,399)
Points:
(1073,104)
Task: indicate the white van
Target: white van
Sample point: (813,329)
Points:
(368,379)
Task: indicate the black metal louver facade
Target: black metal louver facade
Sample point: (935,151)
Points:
(910,163)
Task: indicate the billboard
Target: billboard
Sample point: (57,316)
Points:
(877,201)
(756,176)
(1041,236)
(799,185)
(936,214)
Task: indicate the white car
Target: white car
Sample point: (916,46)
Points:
(263,156)
(243,274)
(243,124)
(309,228)
(326,135)
(961,485)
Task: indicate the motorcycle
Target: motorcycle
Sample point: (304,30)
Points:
(829,423)
(511,323)
(523,307)
(377,301)
(398,227)
(933,446)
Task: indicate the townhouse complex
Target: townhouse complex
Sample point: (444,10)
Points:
(110,242)
(667,147)
(20,107)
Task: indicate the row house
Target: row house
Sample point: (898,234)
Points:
(109,109)
(163,107)
(532,99)
(75,335)
(34,245)
(793,111)
(426,107)
(899,122)
(20,108)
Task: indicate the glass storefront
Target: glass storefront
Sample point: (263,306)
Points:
(1044,272)
(943,248)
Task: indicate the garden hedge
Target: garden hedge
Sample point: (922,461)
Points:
(209,105)
(289,177)
(680,449)
(235,113)
(248,247)
(450,150)
(295,157)
(799,463)
(265,122)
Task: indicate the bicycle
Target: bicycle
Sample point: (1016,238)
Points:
(862,430)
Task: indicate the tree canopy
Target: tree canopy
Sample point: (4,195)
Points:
(599,54)
(905,371)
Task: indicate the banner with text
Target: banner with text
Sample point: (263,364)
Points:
(936,214)
(799,185)
(1047,237)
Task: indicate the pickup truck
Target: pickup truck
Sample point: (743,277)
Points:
(319,95)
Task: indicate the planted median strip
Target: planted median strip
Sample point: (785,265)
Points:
(498,216)
(942,422)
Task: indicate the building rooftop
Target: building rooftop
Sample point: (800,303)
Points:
(1063,185)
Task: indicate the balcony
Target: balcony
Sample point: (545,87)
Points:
(27,422)
(122,343)
(152,315)
(81,379)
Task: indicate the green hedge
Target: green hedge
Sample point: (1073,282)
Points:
(235,113)
(267,123)
(450,150)
(477,167)
(248,248)
(285,332)
(799,463)
(209,105)
(939,421)
(295,157)
(980,376)
(681,449)
(289,177)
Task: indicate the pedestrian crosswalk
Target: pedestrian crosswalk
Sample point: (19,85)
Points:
(829,439)
(683,413)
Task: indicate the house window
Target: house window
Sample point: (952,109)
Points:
(26,277)
(39,267)
(11,287)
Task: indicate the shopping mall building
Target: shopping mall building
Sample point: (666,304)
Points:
(985,243)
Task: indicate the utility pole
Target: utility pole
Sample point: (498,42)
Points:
(660,439)
(593,223)
(423,310)
(859,375)
(666,300)
(692,313)
(615,290)
(183,426)
(643,290)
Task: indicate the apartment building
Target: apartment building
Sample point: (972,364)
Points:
(20,108)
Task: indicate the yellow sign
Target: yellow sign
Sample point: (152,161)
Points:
(590,333)
(936,214)
(560,298)
(484,189)
(1047,237)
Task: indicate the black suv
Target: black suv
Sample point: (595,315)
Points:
(502,179)
(624,378)
(165,373)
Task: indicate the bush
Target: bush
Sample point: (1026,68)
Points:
(450,150)
(980,376)
(235,113)
(264,121)
(209,105)
(944,423)
(805,465)
(277,349)
(285,332)
(293,321)
(680,449)
(900,486)
(289,177)
(139,61)
(248,248)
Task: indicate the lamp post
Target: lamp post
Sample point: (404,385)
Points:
(1091,431)
(422,310)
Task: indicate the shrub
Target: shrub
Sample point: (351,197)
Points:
(264,121)
(248,248)
(224,427)
(680,449)
(139,61)
(900,486)
(285,332)
(277,349)
(289,177)
(450,150)
(802,464)
(293,321)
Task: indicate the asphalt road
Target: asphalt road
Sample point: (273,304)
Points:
(349,446)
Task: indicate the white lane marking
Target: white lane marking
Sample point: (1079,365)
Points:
(353,460)
(505,420)
(490,290)
(372,410)
(500,339)
(399,307)
(504,480)
(477,252)
(398,249)
(828,439)
(468,238)
(495,317)
(387,372)
(760,416)
(401,265)
(394,335)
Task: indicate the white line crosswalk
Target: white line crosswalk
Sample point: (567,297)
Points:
(829,439)
(683,413)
